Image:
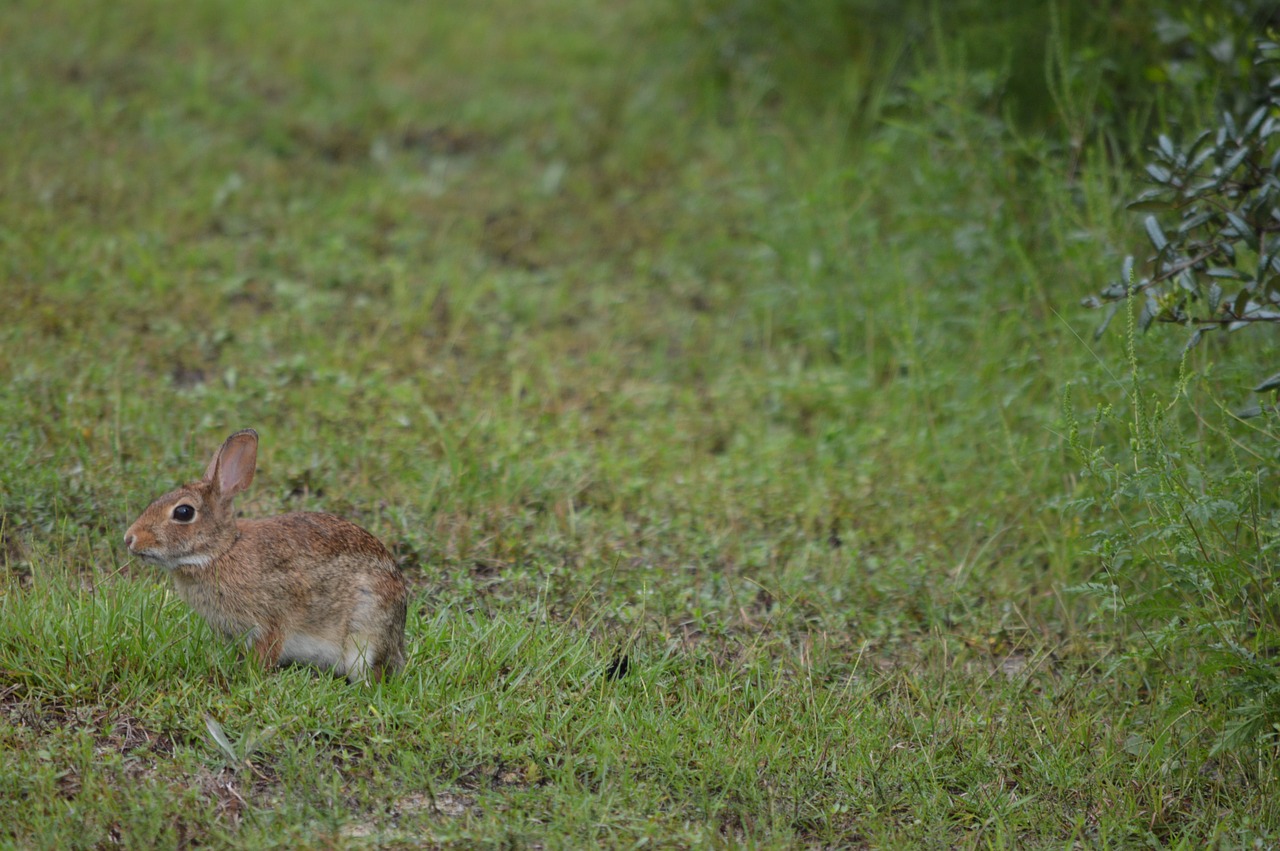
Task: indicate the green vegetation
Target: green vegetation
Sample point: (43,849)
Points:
(1216,267)
(718,423)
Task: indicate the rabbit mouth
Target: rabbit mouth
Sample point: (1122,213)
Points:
(174,562)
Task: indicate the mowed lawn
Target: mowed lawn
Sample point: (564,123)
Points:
(722,444)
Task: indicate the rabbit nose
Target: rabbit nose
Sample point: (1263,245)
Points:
(129,540)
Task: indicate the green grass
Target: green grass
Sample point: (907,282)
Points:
(770,406)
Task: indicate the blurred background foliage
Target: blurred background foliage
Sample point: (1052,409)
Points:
(1142,65)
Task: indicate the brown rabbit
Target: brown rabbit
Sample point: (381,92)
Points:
(301,587)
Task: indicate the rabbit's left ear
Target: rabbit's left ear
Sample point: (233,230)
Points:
(231,469)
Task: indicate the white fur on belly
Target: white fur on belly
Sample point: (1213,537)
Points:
(300,647)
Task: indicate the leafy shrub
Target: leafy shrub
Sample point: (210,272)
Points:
(1215,217)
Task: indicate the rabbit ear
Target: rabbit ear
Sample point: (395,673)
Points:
(232,466)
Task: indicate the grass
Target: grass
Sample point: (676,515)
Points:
(622,366)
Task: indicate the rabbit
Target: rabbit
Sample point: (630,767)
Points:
(301,587)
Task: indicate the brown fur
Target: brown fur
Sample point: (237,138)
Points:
(302,587)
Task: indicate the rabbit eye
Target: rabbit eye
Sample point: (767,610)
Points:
(184,513)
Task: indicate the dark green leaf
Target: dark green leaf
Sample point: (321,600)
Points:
(1196,336)
(1154,233)
(1165,147)
(1241,303)
(1199,159)
(1158,173)
(1126,269)
(1233,162)
(1265,194)
(1229,125)
(1150,205)
(1249,412)
(1243,230)
(1148,314)
(1226,272)
(1195,221)
(1106,320)
(1255,120)
(1272,383)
